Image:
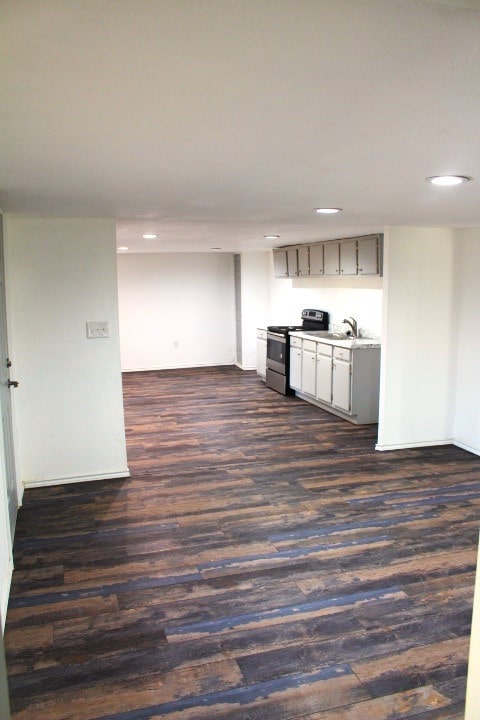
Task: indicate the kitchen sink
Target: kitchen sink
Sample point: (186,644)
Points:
(325,334)
(328,335)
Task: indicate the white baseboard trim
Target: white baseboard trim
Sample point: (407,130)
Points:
(5,592)
(177,367)
(245,367)
(121,474)
(469,449)
(407,446)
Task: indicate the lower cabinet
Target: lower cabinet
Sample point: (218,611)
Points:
(324,373)
(261,352)
(341,385)
(296,364)
(344,381)
(309,367)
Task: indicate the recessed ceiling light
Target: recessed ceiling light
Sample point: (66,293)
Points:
(271,237)
(328,211)
(149,236)
(448,180)
(122,248)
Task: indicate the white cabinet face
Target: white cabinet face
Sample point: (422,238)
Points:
(348,257)
(296,368)
(331,258)
(341,385)
(261,356)
(368,256)
(324,378)
(309,363)
(292,261)
(316,259)
(280,263)
(303,261)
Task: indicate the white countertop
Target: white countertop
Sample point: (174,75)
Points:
(340,341)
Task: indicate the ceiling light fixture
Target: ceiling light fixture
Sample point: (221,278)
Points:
(448,180)
(271,237)
(149,236)
(122,248)
(328,211)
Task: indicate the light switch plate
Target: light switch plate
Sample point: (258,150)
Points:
(99,329)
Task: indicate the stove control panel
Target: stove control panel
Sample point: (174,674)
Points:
(318,315)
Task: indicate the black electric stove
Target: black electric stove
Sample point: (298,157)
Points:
(278,348)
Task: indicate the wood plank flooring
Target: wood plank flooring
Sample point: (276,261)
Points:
(263,562)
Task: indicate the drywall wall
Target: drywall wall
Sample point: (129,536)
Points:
(255,299)
(467,406)
(417,384)
(61,273)
(176,310)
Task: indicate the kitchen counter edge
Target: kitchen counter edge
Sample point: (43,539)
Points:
(338,342)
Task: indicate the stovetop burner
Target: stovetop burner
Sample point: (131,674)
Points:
(283,329)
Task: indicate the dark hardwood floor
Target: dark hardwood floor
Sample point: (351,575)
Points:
(263,562)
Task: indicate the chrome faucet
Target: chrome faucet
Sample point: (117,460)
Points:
(353,324)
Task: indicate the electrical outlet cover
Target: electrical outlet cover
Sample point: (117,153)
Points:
(99,329)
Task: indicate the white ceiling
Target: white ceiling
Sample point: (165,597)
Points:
(216,122)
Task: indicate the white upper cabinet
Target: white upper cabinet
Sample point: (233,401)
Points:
(348,257)
(280,263)
(303,258)
(331,258)
(292,261)
(316,259)
(368,255)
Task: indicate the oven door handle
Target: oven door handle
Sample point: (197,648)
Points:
(276,336)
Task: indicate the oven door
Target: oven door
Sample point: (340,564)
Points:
(277,352)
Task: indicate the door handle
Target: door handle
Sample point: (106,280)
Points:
(12,383)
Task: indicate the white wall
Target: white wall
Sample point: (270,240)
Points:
(419,339)
(61,273)
(467,408)
(255,302)
(176,310)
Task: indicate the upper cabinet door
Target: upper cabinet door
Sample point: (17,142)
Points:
(348,257)
(303,261)
(292,262)
(368,256)
(316,259)
(280,263)
(331,258)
